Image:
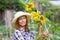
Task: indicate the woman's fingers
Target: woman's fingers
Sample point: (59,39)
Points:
(45,33)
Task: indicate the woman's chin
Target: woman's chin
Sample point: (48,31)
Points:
(23,25)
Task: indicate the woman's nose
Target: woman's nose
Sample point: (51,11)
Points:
(22,20)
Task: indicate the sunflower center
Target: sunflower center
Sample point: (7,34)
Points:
(29,6)
(35,15)
(41,18)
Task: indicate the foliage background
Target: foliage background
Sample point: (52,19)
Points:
(47,9)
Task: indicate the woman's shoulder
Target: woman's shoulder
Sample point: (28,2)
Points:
(16,31)
(31,33)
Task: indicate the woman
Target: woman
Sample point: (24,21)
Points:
(20,22)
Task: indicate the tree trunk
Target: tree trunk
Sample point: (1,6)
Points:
(8,18)
(38,5)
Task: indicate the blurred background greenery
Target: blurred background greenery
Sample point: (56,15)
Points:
(9,7)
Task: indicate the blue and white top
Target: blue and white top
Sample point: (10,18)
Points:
(23,35)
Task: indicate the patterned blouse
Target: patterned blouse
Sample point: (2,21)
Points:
(23,35)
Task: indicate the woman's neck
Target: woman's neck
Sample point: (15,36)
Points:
(22,27)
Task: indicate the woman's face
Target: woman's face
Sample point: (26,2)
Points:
(22,20)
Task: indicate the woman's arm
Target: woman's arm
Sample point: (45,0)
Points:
(43,35)
(39,29)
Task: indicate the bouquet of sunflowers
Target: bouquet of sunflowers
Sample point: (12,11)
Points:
(35,14)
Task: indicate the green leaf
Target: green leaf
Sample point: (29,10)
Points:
(21,3)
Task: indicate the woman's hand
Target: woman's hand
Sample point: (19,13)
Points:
(45,33)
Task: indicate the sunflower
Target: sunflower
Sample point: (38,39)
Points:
(29,6)
(35,15)
(42,18)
